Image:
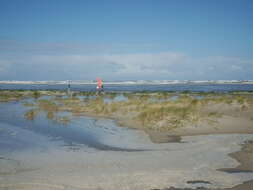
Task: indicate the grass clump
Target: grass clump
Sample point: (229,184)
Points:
(47,105)
(50,115)
(36,94)
(63,120)
(156,110)
(240,99)
(28,104)
(166,115)
(8,95)
(31,114)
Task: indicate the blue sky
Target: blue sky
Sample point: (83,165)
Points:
(126,40)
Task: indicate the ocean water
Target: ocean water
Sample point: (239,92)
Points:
(135,87)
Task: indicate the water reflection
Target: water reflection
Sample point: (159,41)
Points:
(80,132)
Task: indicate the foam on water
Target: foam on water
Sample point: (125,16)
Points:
(135,86)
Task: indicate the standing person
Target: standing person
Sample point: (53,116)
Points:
(69,92)
(99,86)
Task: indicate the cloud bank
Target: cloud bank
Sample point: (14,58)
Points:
(26,62)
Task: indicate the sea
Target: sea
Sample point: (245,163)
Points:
(135,86)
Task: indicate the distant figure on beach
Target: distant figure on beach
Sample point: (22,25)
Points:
(99,86)
(69,92)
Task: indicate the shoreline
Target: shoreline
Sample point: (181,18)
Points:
(216,114)
(158,114)
(129,82)
(160,137)
(244,157)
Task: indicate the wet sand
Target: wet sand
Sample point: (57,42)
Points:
(94,153)
(245,158)
(182,165)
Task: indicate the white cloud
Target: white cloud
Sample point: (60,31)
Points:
(149,62)
(147,66)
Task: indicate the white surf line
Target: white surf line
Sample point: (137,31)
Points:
(33,184)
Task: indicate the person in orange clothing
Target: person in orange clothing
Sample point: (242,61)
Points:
(99,86)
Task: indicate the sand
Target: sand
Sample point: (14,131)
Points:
(224,125)
(165,165)
(195,157)
(245,158)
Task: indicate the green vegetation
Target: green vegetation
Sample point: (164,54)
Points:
(36,94)
(149,110)
(31,114)
(28,104)
(6,96)
(63,120)
(15,95)
(47,105)
(50,115)
(152,110)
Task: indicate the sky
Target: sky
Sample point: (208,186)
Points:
(126,40)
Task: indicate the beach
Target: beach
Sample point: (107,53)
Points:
(50,141)
(244,157)
(126,95)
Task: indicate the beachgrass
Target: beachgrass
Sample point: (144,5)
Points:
(157,110)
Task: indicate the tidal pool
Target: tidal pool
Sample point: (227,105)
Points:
(91,153)
(86,132)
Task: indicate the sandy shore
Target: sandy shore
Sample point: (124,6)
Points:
(112,157)
(245,158)
(224,125)
(190,164)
